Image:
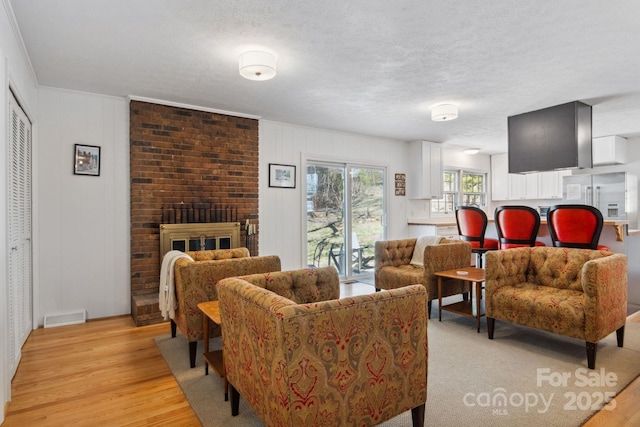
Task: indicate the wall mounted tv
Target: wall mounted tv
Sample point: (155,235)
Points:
(552,138)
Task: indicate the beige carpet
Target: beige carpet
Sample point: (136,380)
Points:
(514,380)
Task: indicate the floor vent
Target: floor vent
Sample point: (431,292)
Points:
(67,318)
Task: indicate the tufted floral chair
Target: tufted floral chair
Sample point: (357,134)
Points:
(580,293)
(393,267)
(300,357)
(195,282)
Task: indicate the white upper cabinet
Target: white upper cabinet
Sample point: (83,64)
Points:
(550,184)
(531,186)
(499,177)
(424,180)
(609,150)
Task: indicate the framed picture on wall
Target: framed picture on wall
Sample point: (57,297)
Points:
(86,160)
(282,176)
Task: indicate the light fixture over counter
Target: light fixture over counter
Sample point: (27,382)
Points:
(471,151)
(257,65)
(444,112)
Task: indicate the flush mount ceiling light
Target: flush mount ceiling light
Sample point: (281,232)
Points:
(471,151)
(257,65)
(444,112)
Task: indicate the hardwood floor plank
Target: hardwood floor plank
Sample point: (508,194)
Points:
(105,372)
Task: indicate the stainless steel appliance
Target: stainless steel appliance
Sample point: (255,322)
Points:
(543,210)
(615,194)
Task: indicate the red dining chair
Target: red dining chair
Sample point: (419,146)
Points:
(472,224)
(575,226)
(517,226)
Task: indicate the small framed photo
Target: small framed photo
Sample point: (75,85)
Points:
(282,176)
(86,160)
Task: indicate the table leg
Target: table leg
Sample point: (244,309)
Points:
(478,286)
(440,298)
(205,329)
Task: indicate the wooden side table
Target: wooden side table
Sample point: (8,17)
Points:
(467,308)
(211,311)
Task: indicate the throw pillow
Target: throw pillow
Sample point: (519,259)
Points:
(418,252)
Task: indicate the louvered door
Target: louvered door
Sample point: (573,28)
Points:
(20,286)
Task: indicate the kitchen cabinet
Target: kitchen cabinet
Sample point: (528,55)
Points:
(424,180)
(499,177)
(609,150)
(550,184)
(505,185)
(531,186)
(517,186)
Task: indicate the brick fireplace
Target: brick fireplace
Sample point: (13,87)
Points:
(191,158)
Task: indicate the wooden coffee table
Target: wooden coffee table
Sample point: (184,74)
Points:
(470,308)
(211,311)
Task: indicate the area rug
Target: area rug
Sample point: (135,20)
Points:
(522,377)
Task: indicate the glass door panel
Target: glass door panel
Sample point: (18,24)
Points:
(325,216)
(366,216)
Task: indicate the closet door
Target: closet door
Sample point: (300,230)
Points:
(20,286)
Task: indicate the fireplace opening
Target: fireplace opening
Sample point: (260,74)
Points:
(199,236)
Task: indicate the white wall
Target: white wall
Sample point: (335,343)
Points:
(281,210)
(84,220)
(15,72)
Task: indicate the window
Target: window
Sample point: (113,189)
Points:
(449,198)
(460,188)
(473,189)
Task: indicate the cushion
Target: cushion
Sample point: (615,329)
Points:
(418,252)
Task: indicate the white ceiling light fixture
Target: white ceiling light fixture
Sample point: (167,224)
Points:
(257,65)
(471,151)
(444,112)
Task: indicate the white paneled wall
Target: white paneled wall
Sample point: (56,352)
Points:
(84,260)
(282,211)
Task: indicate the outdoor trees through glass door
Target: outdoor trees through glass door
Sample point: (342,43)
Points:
(345,216)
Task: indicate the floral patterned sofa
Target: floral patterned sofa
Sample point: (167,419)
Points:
(580,293)
(393,268)
(301,357)
(195,282)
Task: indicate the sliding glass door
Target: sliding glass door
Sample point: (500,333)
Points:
(345,216)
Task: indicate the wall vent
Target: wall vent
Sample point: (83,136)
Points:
(66,318)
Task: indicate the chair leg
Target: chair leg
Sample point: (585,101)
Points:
(193,347)
(591,354)
(491,323)
(620,336)
(235,400)
(417,416)
(173,328)
(429,309)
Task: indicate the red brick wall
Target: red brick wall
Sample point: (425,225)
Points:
(181,155)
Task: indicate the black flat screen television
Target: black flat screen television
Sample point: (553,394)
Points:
(552,138)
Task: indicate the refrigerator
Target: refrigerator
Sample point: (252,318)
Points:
(615,194)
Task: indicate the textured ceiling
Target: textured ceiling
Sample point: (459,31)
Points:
(370,67)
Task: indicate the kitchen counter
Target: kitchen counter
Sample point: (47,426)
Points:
(619,225)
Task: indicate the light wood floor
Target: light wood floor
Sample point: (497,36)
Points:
(109,372)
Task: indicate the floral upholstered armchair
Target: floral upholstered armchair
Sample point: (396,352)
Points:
(580,293)
(395,266)
(195,282)
(324,361)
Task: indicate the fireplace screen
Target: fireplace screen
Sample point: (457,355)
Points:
(199,237)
